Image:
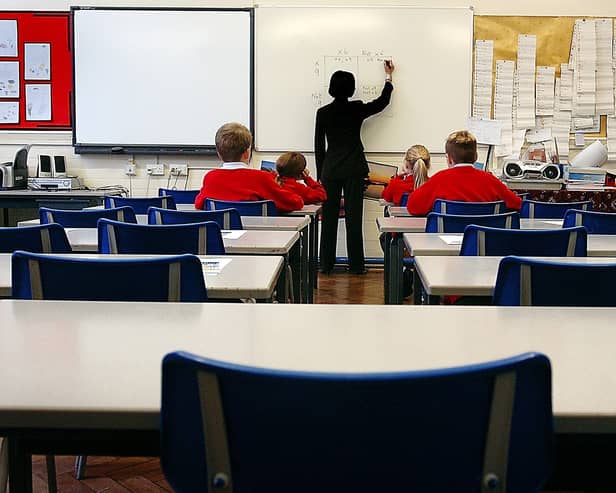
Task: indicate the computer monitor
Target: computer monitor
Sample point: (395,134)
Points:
(379,175)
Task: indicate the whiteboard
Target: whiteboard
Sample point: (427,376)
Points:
(298,48)
(157,78)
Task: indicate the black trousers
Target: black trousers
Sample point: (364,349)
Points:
(354,211)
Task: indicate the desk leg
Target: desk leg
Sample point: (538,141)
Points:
(417,289)
(20,467)
(282,296)
(395,268)
(295,259)
(307,276)
(386,266)
(314,241)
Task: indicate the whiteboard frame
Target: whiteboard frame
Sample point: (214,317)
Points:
(262,148)
(127,148)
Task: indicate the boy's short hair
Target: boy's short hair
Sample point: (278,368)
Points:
(232,139)
(291,164)
(461,146)
(341,84)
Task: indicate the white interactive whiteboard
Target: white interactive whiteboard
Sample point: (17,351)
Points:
(159,80)
(298,48)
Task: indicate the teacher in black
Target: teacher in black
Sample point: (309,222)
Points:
(342,167)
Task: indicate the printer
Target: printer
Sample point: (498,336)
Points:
(15,174)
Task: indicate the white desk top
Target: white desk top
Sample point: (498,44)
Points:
(267,223)
(419,244)
(417,224)
(473,276)
(72,364)
(250,243)
(244,277)
(307,210)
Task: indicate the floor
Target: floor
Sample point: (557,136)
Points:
(143,474)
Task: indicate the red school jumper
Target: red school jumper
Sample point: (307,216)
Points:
(239,183)
(464,183)
(397,187)
(312,191)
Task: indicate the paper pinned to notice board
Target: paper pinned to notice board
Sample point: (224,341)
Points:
(485,131)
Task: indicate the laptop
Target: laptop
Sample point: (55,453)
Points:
(379,175)
(268,166)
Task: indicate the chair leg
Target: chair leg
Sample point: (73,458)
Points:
(80,466)
(4,464)
(52,484)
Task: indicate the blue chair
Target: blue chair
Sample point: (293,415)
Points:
(525,282)
(276,431)
(180,196)
(245,207)
(469,208)
(551,210)
(225,218)
(48,277)
(173,239)
(450,223)
(140,204)
(86,218)
(46,238)
(404,199)
(481,240)
(597,223)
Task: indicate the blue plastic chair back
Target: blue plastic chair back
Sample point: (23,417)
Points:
(86,218)
(173,239)
(525,282)
(423,431)
(481,240)
(449,223)
(404,199)
(551,210)
(140,204)
(225,218)
(180,196)
(48,277)
(245,207)
(469,208)
(597,223)
(46,238)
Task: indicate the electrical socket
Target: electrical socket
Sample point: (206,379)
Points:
(155,169)
(129,169)
(178,169)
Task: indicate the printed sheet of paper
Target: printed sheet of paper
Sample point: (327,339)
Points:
(37,59)
(9,79)
(611,138)
(8,37)
(482,77)
(214,266)
(561,125)
(9,112)
(503,104)
(527,54)
(38,102)
(545,91)
(605,71)
(584,75)
(451,239)
(232,234)
(485,131)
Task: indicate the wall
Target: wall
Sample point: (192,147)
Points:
(105,170)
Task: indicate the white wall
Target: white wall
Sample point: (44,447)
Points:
(105,170)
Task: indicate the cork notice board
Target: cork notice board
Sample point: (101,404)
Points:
(553,40)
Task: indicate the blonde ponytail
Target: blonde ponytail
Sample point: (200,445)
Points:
(420,173)
(417,162)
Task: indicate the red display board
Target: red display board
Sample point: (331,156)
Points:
(51,28)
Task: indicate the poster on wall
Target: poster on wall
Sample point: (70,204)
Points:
(9,79)
(37,61)
(9,112)
(38,102)
(8,37)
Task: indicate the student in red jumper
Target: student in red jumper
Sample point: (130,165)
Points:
(461,181)
(414,173)
(235,180)
(294,176)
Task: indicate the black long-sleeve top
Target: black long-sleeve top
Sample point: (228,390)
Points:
(340,123)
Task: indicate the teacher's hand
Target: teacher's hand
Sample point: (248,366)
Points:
(389,66)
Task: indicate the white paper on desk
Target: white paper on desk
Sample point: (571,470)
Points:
(557,223)
(232,234)
(8,37)
(213,266)
(9,112)
(451,239)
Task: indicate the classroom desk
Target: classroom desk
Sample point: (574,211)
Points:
(66,199)
(469,275)
(259,223)
(243,277)
(391,227)
(84,377)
